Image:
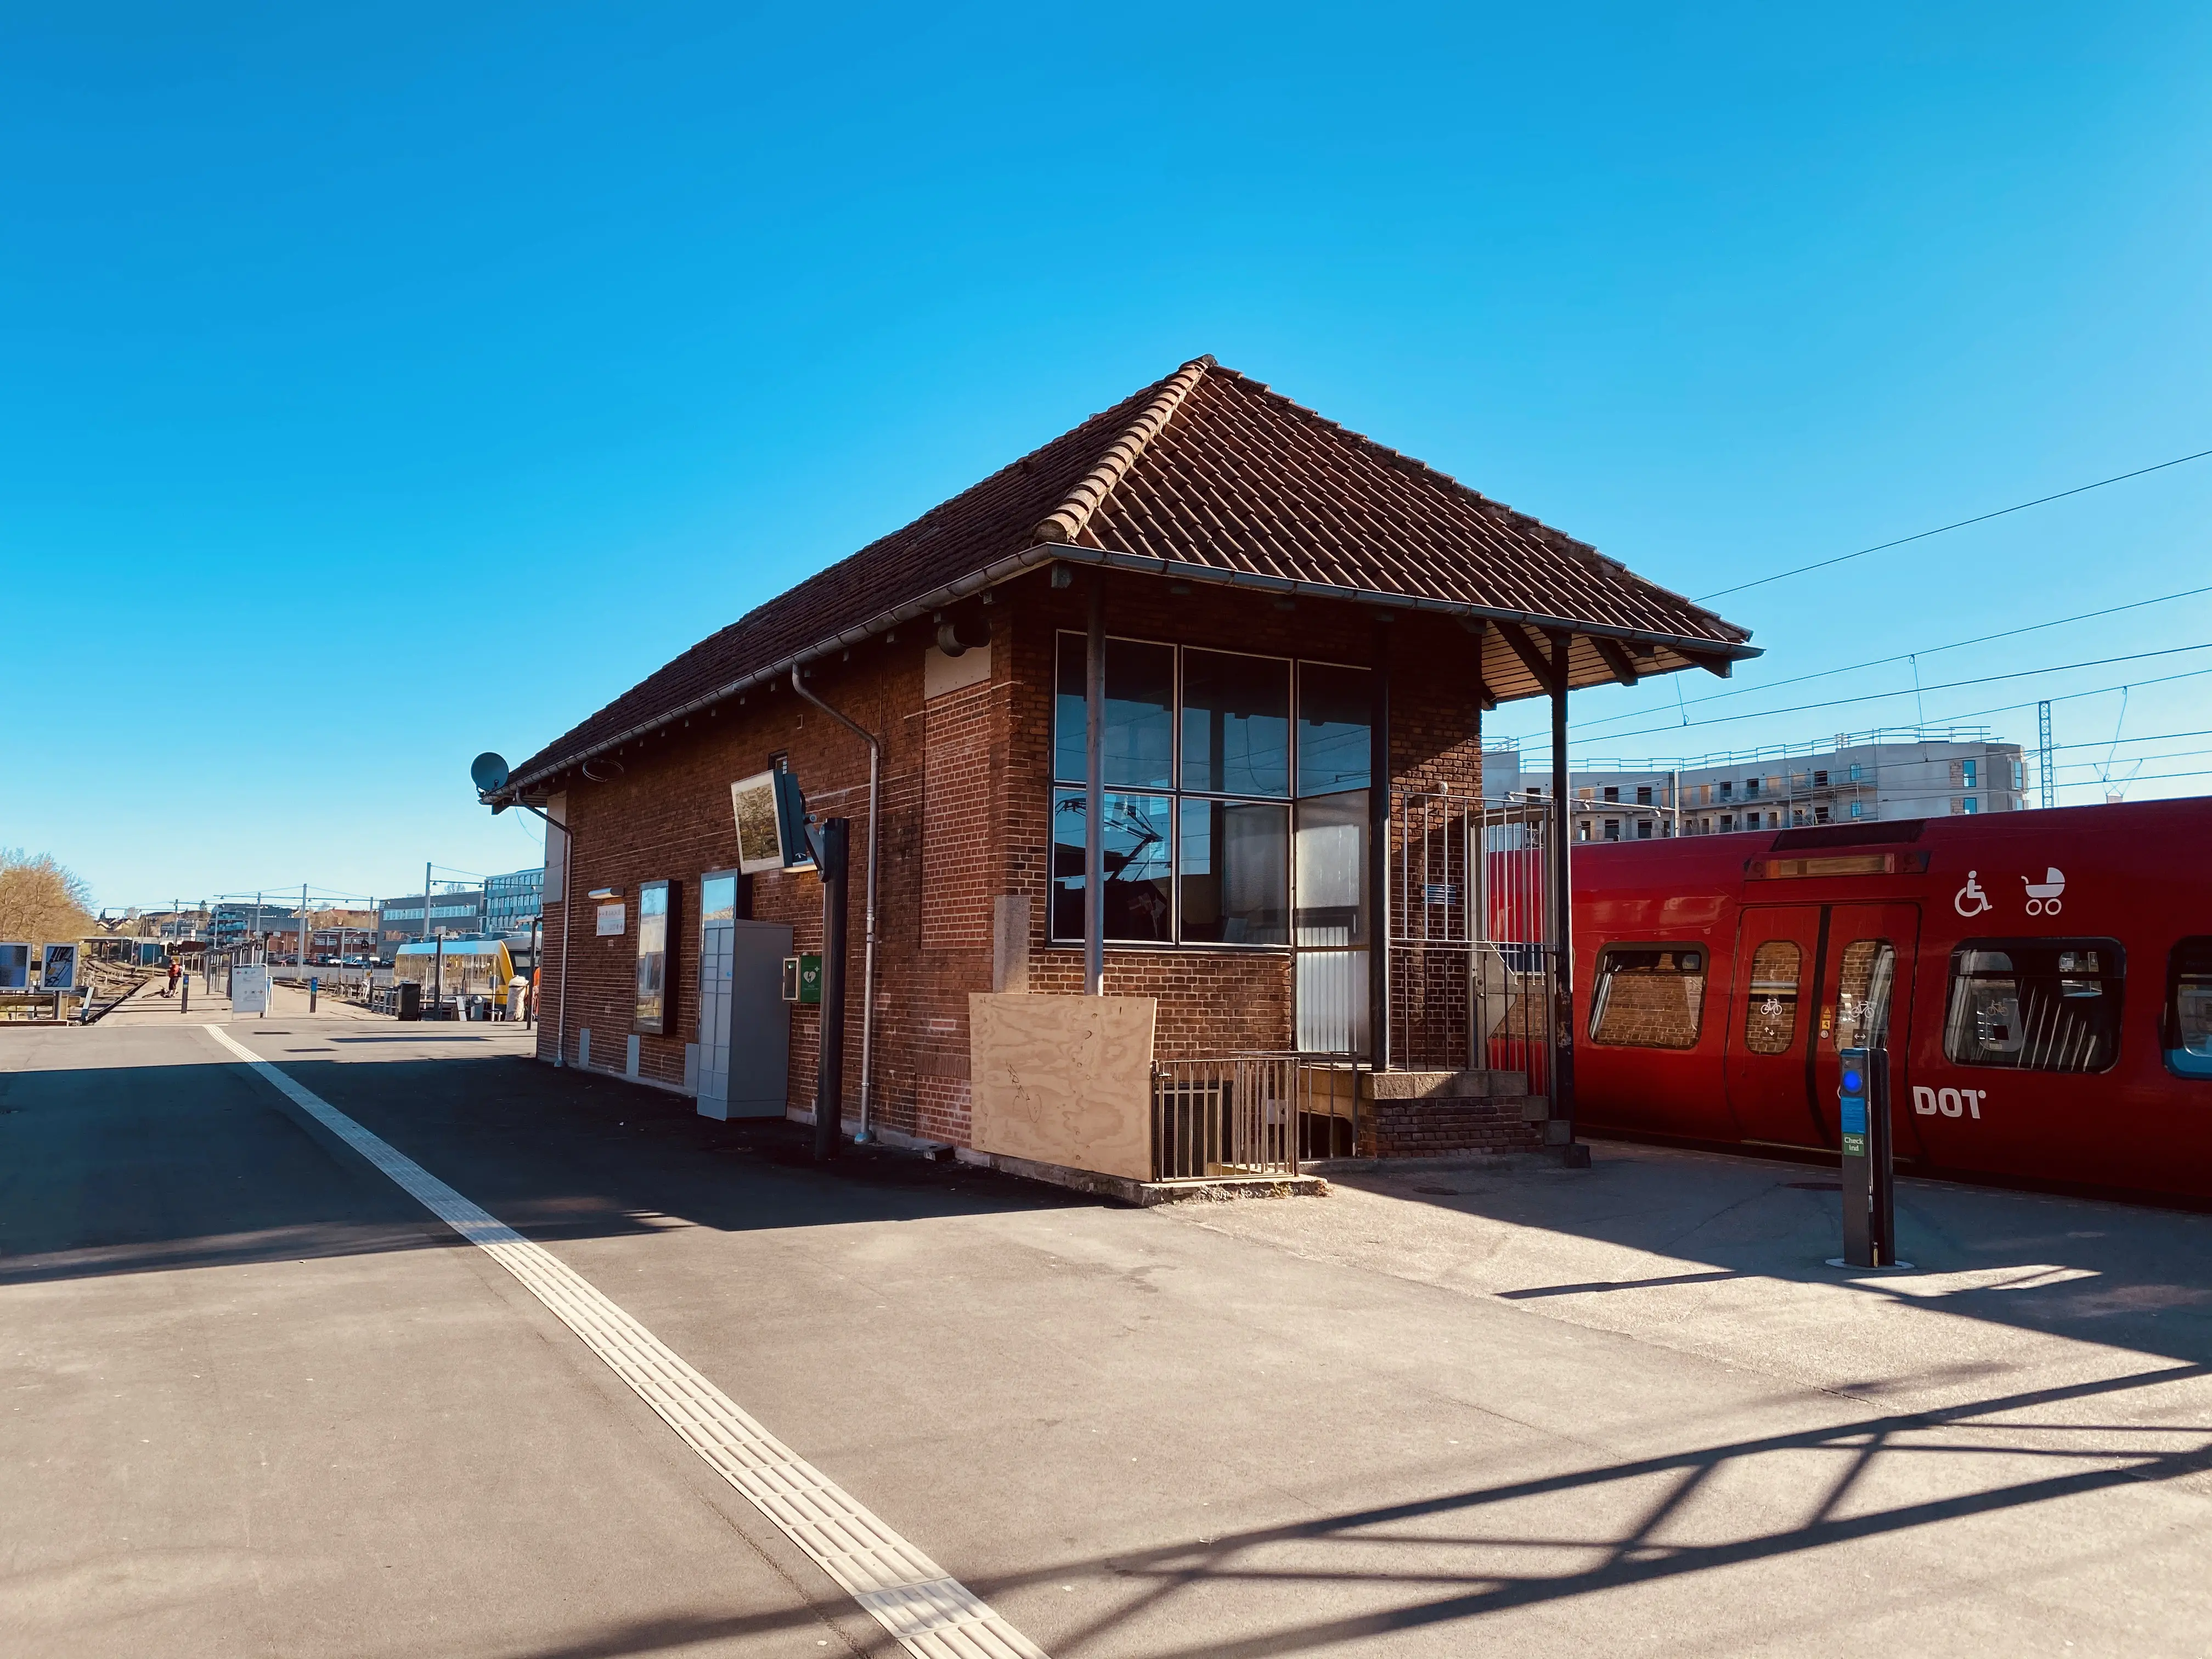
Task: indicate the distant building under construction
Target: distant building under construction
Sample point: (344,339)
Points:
(1895,772)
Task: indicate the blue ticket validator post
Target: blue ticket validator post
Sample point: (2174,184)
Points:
(1869,1200)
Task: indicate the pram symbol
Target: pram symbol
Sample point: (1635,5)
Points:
(2043,895)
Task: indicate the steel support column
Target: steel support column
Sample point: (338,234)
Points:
(1563,927)
(1378,857)
(1094,794)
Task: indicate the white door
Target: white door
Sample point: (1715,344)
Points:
(718,913)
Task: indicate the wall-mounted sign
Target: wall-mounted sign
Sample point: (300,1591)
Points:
(802,978)
(58,971)
(771,815)
(611,918)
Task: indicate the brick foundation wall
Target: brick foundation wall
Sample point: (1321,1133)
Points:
(1431,1128)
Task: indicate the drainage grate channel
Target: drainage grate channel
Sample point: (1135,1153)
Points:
(931,1613)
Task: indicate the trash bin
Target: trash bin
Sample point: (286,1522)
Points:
(410,999)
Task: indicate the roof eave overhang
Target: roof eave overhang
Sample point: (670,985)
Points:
(1693,651)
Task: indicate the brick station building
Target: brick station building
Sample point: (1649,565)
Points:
(1285,604)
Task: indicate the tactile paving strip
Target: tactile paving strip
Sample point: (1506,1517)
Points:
(930,1612)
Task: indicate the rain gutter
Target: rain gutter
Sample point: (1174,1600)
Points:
(1030,558)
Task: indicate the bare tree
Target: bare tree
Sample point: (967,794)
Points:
(41,900)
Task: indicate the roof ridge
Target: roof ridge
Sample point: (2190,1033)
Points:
(1065,522)
(1573,546)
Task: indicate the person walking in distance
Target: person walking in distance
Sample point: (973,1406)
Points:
(172,991)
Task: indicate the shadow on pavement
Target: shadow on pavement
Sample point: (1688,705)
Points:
(2114,1274)
(1605,1527)
(137,1168)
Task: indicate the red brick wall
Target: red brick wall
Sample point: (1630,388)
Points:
(966,794)
(1431,1128)
(957,870)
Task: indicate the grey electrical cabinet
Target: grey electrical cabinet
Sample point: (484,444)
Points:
(744,1025)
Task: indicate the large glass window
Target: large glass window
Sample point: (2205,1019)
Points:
(2043,1005)
(651,955)
(1235,889)
(1332,870)
(1235,724)
(1649,996)
(2189,1008)
(1770,1008)
(1335,720)
(1138,847)
(1140,714)
(1203,749)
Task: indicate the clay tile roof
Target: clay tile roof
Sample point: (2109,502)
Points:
(1211,476)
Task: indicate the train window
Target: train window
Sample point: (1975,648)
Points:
(2039,1004)
(1870,967)
(651,955)
(1769,1013)
(1649,996)
(2189,1008)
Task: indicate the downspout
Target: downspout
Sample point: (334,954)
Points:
(868,948)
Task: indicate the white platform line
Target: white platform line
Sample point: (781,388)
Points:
(930,1614)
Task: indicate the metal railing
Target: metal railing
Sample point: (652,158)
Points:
(1471,923)
(1251,1114)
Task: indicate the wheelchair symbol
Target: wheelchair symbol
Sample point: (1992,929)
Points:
(2043,895)
(1971,901)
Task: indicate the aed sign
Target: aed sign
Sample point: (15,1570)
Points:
(802,978)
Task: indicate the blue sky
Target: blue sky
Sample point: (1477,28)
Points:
(321,331)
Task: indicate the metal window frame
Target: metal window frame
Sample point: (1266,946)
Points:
(1176,794)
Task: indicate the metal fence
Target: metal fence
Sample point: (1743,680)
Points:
(1471,947)
(1251,1114)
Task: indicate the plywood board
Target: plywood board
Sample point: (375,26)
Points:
(1065,1080)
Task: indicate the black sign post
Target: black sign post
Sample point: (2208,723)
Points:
(1869,1200)
(830,840)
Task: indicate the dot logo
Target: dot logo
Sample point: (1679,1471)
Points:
(1948,1103)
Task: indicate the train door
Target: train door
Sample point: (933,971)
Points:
(1768,1068)
(1865,998)
(1811,979)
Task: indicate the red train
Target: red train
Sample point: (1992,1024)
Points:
(2043,980)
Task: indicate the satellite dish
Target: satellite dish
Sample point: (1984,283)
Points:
(488,771)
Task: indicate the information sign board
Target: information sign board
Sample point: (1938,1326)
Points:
(249,988)
(58,971)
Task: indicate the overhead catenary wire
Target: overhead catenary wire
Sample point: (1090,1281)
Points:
(1971,714)
(1902,656)
(1687,762)
(1946,685)
(1958,524)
